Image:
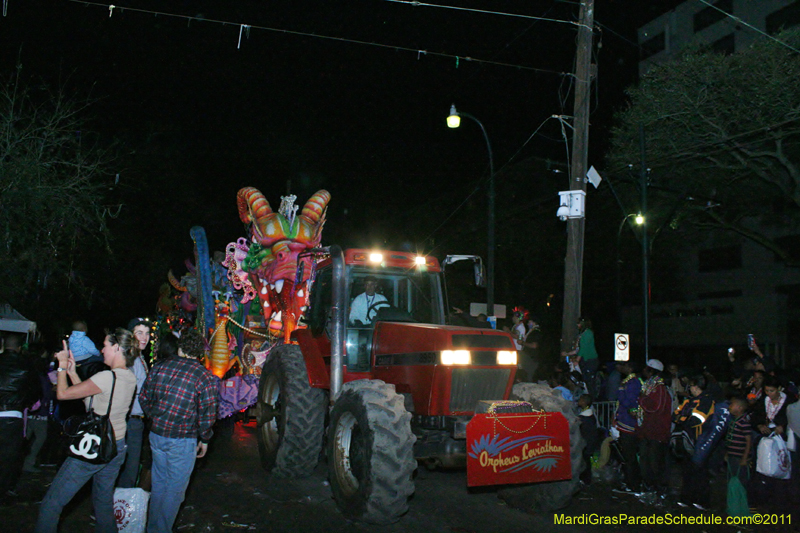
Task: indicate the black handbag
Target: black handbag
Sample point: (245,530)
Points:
(91,436)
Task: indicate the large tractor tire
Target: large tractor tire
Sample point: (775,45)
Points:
(371,452)
(291,415)
(548,496)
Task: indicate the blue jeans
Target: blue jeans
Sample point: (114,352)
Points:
(73,475)
(173,462)
(133,438)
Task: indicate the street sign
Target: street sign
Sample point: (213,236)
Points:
(621,347)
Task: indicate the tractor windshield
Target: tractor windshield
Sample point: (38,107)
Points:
(404,296)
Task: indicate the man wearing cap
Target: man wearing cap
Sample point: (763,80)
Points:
(625,423)
(360,312)
(134,437)
(655,420)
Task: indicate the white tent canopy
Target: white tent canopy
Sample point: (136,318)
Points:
(12,320)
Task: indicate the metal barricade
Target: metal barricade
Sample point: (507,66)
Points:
(605,412)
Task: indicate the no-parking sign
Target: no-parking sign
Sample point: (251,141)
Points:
(621,347)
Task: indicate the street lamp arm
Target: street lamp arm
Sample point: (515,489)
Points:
(491,216)
(486,137)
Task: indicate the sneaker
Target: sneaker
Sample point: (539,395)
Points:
(700,507)
(681,504)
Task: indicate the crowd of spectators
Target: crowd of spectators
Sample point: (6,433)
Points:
(169,389)
(674,430)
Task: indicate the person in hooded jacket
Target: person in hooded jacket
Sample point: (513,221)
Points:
(692,416)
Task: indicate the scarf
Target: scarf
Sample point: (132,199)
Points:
(773,409)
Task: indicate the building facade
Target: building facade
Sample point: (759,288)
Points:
(730,286)
(697,23)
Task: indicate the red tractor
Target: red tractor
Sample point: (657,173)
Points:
(401,386)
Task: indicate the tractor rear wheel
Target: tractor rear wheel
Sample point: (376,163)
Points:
(549,496)
(291,415)
(371,452)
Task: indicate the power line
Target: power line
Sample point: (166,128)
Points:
(611,30)
(762,32)
(484,11)
(247,27)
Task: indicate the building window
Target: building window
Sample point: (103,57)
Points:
(789,244)
(710,15)
(718,259)
(736,293)
(784,18)
(654,45)
(725,45)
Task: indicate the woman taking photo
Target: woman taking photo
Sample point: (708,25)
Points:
(118,354)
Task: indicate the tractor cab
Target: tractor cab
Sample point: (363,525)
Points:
(392,287)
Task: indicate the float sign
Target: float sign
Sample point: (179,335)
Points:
(621,347)
(514,448)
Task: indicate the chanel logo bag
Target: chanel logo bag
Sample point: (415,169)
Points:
(91,436)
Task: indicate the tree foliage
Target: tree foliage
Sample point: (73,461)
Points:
(722,138)
(53,179)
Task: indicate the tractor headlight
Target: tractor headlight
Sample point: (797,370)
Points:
(455,357)
(506,358)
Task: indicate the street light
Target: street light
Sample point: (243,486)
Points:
(639,219)
(454,121)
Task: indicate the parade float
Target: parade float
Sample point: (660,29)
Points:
(396,388)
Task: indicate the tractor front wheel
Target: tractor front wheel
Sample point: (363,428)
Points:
(554,495)
(370,452)
(291,415)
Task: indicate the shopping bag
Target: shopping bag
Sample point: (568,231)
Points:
(737,497)
(773,459)
(791,441)
(130,509)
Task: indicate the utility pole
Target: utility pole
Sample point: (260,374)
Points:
(645,249)
(573,267)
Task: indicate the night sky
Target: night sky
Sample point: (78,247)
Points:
(197,118)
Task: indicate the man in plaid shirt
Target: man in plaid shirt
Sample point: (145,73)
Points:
(180,397)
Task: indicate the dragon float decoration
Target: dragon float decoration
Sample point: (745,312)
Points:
(267,267)
(218,295)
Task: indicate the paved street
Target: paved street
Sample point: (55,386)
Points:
(231,492)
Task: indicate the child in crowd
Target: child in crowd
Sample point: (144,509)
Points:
(80,345)
(562,383)
(739,440)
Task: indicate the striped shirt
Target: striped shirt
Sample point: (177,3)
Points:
(736,441)
(180,397)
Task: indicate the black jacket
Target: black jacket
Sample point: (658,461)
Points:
(19,383)
(781,418)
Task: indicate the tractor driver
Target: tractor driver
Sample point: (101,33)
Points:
(360,312)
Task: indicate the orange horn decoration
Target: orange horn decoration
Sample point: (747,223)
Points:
(315,206)
(252,204)
(174,282)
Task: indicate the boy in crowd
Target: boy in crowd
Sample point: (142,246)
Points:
(589,433)
(739,441)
